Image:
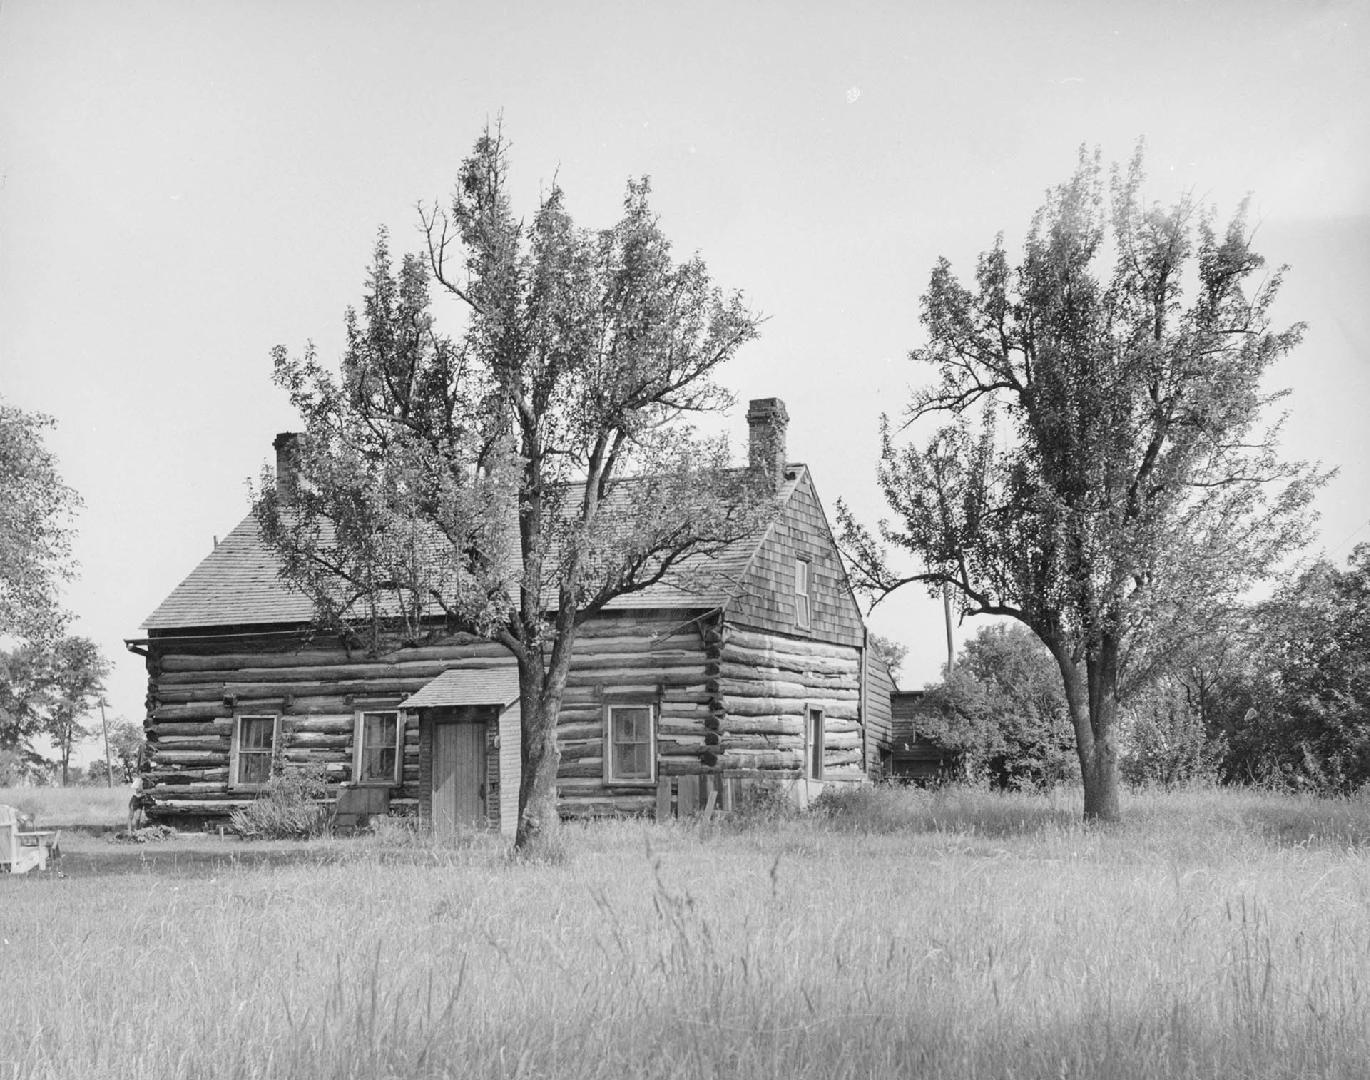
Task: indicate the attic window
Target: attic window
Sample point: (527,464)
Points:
(379,746)
(803,603)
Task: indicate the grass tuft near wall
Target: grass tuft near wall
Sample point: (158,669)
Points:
(950,934)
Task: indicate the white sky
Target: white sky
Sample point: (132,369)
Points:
(183,186)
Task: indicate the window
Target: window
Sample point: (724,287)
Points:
(630,744)
(254,746)
(813,745)
(380,748)
(802,587)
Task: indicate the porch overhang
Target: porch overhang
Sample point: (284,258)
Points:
(458,686)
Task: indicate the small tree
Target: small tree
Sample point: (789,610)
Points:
(513,480)
(1002,709)
(127,742)
(1102,475)
(891,652)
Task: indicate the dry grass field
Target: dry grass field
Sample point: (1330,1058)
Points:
(956,934)
(86,805)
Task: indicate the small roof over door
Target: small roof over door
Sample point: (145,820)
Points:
(479,686)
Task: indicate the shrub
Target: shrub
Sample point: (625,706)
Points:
(289,808)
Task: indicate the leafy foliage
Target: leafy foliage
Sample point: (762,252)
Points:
(1003,710)
(1298,710)
(890,651)
(1102,473)
(48,690)
(36,508)
(289,809)
(512,479)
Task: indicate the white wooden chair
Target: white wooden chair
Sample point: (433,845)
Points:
(23,849)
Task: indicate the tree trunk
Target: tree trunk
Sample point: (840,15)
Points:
(1099,769)
(539,821)
(1094,716)
(542,681)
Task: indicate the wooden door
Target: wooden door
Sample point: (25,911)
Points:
(458,777)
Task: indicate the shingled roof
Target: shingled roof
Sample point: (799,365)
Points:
(238,583)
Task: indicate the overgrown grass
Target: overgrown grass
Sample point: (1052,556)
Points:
(65,806)
(950,934)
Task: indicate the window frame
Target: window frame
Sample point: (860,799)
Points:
(610,776)
(359,747)
(235,771)
(803,598)
(815,724)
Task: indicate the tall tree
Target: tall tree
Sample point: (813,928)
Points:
(513,479)
(76,684)
(1102,472)
(36,509)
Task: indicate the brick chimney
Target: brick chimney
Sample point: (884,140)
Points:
(287,446)
(767,420)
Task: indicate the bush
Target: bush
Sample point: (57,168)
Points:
(289,808)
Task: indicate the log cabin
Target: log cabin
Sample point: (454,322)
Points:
(759,672)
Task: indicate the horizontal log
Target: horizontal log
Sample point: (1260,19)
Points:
(248,692)
(321,725)
(784,689)
(193,742)
(158,730)
(690,678)
(459,648)
(781,646)
(763,725)
(675,725)
(187,757)
(747,706)
(841,757)
(763,742)
(675,745)
(763,759)
(305,756)
(182,790)
(572,732)
(665,660)
(309,740)
(156,776)
(738,662)
(408,669)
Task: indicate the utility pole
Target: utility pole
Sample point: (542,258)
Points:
(946,611)
(109,763)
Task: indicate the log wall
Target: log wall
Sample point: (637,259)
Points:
(196,687)
(655,657)
(766,683)
(879,719)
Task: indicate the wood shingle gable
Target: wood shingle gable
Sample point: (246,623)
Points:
(766,598)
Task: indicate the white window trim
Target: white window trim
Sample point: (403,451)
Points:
(810,713)
(359,729)
(235,759)
(803,598)
(608,752)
